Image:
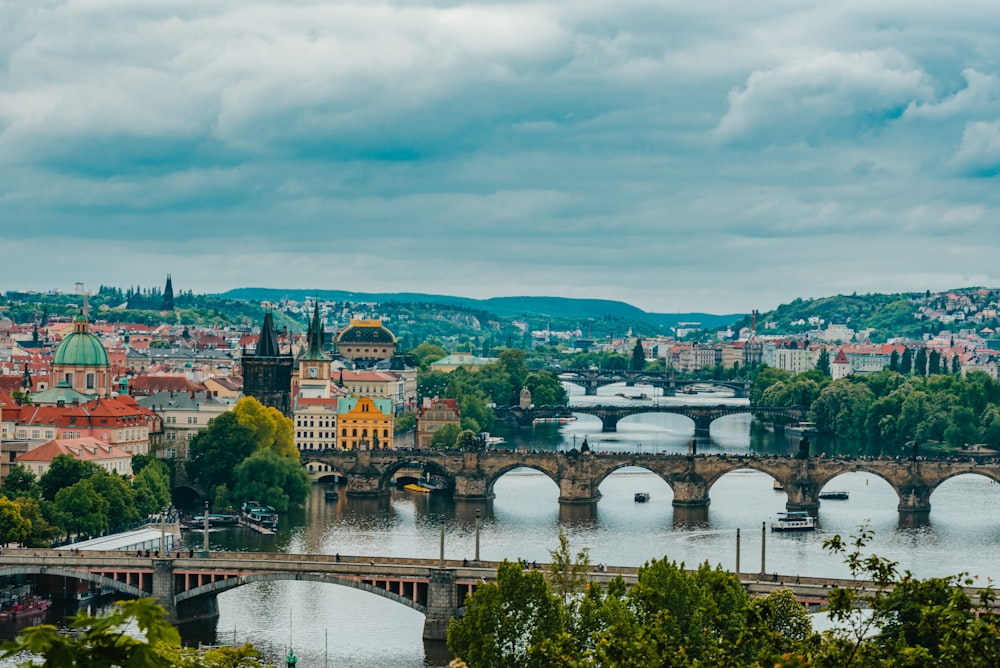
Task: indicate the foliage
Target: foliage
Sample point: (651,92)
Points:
(120,496)
(81,510)
(38,512)
(446,437)
(566,573)
(20,481)
(267,477)
(152,488)
(255,417)
(405,422)
(503,619)
(64,471)
(14,527)
(217,450)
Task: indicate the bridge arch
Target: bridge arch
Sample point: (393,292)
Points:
(219,586)
(85,576)
(426,463)
(823,481)
(971,470)
(622,465)
(319,470)
(501,472)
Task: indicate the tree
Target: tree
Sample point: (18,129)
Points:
(284,435)
(894,360)
(566,573)
(546,389)
(277,481)
(638,356)
(105,641)
(20,482)
(823,362)
(217,450)
(906,362)
(956,365)
(467,440)
(934,363)
(255,417)
(65,471)
(426,353)
(81,510)
(404,423)
(43,532)
(121,498)
(446,437)
(920,362)
(503,619)
(152,488)
(14,527)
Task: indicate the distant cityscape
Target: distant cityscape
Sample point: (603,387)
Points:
(105,389)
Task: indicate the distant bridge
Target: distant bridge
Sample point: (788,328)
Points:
(702,416)
(474,474)
(591,379)
(188,586)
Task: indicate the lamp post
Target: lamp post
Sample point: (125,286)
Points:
(441,554)
(477,538)
(205,518)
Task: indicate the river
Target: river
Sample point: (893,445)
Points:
(331,625)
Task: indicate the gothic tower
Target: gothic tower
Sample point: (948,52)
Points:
(168,295)
(267,374)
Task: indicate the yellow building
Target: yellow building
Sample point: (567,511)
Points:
(364,424)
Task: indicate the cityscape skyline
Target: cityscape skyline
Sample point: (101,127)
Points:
(677,157)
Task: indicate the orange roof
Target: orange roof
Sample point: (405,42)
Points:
(86,449)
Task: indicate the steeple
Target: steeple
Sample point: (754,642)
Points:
(168,295)
(267,345)
(315,337)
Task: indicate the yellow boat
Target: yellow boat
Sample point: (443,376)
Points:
(417,488)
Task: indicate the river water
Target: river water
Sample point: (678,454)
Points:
(335,626)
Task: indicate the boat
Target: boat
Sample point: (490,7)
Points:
(331,495)
(414,487)
(562,419)
(434,483)
(777,486)
(796,520)
(255,513)
(641,497)
(24,607)
(801,428)
(835,495)
(689,389)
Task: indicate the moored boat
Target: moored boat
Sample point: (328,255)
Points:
(641,497)
(414,487)
(259,514)
(801,428)
(796,520)
(835,495)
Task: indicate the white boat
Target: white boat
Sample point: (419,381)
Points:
(835,495)
(796,520)
(801,428)
(777,486)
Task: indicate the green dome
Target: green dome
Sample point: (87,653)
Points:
(81,349)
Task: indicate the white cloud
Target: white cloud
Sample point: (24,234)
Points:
(979,152)
(815,96)
(981,95)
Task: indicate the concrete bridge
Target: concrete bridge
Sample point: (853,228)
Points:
(703,416)
(188,586)
(691,477)
(591,379)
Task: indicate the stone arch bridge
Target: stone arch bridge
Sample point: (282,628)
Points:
(591,379)
(691,477)
(703,416)
(188,586)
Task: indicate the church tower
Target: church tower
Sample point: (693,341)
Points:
(168,295)
(314,366)
(267,374)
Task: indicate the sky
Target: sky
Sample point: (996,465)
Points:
(680,156)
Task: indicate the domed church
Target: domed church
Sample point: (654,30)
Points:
(81,362)
(366,341)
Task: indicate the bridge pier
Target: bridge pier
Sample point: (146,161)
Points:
(915,499)
(802,496)
(442,604)
(578,490)
(690,489)
(164,593)
(609,423)
(702,425)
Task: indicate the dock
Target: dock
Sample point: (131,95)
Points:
(243,522)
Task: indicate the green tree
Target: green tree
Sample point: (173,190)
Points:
(65,471)
(81,510)
(217,450)
(446,437)
(934,363)
(14,527)
(961,430)
(894,360)
(120,496)
(567,573)
(277,481)
(38,512)
(20,482)
(638,356)
(427,353)
(284,435)
(842,408)
(256,417)
(823,362)
(956,365)
(906,362)
(405,422)
(152,488)
(467,440)
(546,389)
(920,362)
(503,619)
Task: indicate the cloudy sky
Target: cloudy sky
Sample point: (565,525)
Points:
(715,156)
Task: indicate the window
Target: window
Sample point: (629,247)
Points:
(344,433)
(69,379)
(354,432)
(90,381)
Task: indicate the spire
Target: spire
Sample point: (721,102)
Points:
(315,336)
(267,344)
(168,295)
(26,379)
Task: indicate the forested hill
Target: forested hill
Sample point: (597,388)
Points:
(507,307)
